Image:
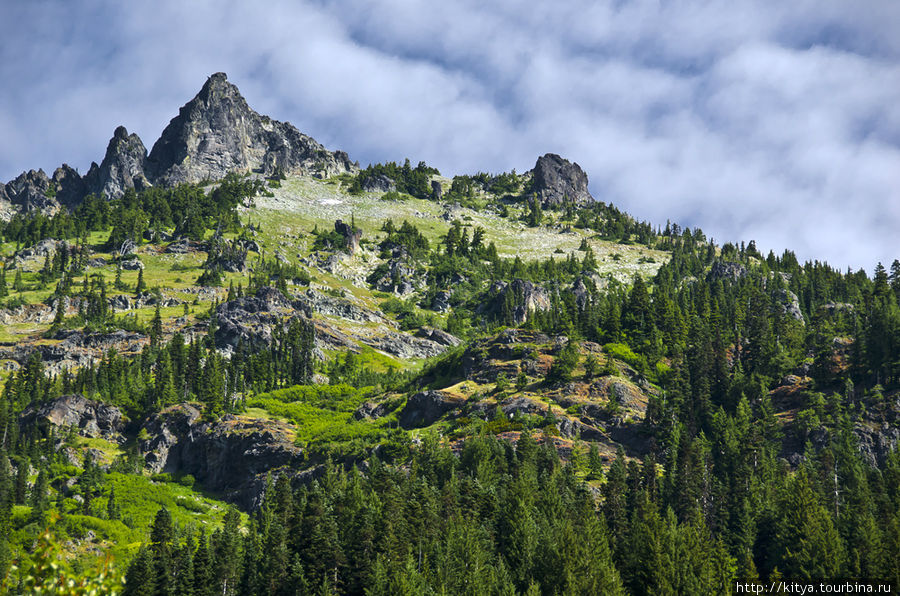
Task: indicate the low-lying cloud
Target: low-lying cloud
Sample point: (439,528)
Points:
(778,122)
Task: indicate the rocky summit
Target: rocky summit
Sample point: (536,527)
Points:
(216,133)
(124,166)
(557,180)
(213,134)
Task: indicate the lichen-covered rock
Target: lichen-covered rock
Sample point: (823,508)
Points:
(557,180)
(216,133)
(89,418)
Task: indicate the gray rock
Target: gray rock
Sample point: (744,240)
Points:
(351,235)
(527,296)
(378,183)
(790,305)
(438,336)
(124,166)
(32,190)
(132,264)
(406,346)
(369,411)
(437,192)
(89,418)
(557,180)
(182,246)
(216,133)
(441,302)
(726,270)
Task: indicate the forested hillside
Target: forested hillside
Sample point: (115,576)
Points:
(297,378)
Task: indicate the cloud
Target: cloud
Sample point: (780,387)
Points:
(771,121)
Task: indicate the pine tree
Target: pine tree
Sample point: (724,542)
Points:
(39,497)
(140,287)
(112,506)
(140,579)
(156,327)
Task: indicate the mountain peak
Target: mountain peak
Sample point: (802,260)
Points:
(217,132)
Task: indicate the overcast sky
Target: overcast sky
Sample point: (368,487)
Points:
(774,121)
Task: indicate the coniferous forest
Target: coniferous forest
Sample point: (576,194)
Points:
(460,386)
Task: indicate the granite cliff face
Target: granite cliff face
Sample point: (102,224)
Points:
(213,134)
(217,132)
(557,180)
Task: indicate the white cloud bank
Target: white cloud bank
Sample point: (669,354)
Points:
(772,121)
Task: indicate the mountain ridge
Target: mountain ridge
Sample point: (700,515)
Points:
(214,133)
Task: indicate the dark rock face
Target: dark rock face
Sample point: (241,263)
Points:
(232,455)
(437,191)
(124,166)
(217,132)
(89,418)
(70,186)
(426,407)
(557,180)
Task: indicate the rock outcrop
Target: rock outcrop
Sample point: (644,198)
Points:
(726,270)
(250,320)
(524,296)
(213,134)
(426,407)
(32,190)
(351,236)
(216,133)
(557,180)
(231,456)
(378,183)
(124,166)
(89,418)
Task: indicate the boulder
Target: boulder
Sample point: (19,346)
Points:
(132,264)
(557,180)
(438,336)
(437,192)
